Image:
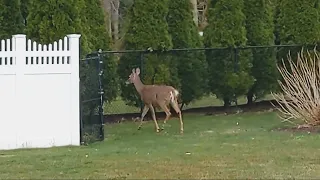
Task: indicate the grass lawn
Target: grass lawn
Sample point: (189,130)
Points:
(212,147)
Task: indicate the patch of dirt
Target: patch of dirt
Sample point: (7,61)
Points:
(261,106)
(301,128)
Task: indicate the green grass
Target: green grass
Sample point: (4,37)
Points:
(230,147)
(119,106)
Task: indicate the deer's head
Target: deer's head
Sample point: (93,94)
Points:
(134,76)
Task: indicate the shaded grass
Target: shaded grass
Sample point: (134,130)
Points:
(230,147)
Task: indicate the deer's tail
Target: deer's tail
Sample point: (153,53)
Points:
(174,95)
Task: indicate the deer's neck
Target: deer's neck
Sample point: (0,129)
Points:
(138,85)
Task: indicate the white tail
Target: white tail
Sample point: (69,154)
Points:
(156,96)
(176,93)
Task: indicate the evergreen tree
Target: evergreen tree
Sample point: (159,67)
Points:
(229,71)
(24,11)
(276,12)
(192,66)
(299,23)
(48,21)
(260,27)
(11,21)
(93,17)
(148,29)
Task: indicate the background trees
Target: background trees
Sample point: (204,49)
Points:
(94,18)
(260,27)
(162,25)
(226,80)
(298,23)
(192,66)
(148,29)
(11,21)
(48,22)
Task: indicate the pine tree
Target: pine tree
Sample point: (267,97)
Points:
(192,66)
(11,21)
(226,28)
(148,29)
(299,23)
(260,27)
(93,17)
(48,22)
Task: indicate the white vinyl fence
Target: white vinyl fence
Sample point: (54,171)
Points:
(39,93)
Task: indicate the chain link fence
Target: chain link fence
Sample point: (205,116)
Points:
(159,66)
(91,98)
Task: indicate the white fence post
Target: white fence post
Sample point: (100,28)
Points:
(19,47)
(74,43)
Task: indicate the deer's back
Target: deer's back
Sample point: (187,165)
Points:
(153,94)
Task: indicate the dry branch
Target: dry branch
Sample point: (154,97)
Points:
(300,97)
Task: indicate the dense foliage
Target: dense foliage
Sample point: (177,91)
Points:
(260,27)
(228,79)
(192,66)
(158,26)
(148,29)
(95,20)
(11,21)
(48,22)
(299,23)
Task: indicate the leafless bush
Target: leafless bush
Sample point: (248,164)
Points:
(300,97)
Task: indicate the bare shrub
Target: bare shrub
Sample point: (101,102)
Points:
(300,96)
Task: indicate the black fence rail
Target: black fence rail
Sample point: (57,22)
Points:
(226,76)
(91,98)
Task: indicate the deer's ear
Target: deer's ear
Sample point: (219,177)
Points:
(133,71)
(138,71)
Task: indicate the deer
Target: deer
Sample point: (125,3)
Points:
(155,96)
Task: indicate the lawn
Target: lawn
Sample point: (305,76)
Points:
(229,147)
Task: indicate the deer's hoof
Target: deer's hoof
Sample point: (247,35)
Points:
(181,131)
(139,128)
(158,130)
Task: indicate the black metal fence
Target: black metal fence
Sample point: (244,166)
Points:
(91,98)
(159,67)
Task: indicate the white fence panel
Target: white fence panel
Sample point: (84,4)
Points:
(39,95)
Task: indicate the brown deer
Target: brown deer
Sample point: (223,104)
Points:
(155,96)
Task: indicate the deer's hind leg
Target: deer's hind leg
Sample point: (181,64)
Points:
(175,106)
(165,108)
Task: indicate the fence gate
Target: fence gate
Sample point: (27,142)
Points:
(91,98)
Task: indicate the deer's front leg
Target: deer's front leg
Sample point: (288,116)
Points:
(154,118)
(144,112)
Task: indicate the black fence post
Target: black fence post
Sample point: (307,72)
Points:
(81,122)
(236,59)
(141,76)
(236,69)
(101,93)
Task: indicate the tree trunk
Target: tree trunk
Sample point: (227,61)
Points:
(226,102)
(115,19)
(106,5)
(195,11)
(250,97)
